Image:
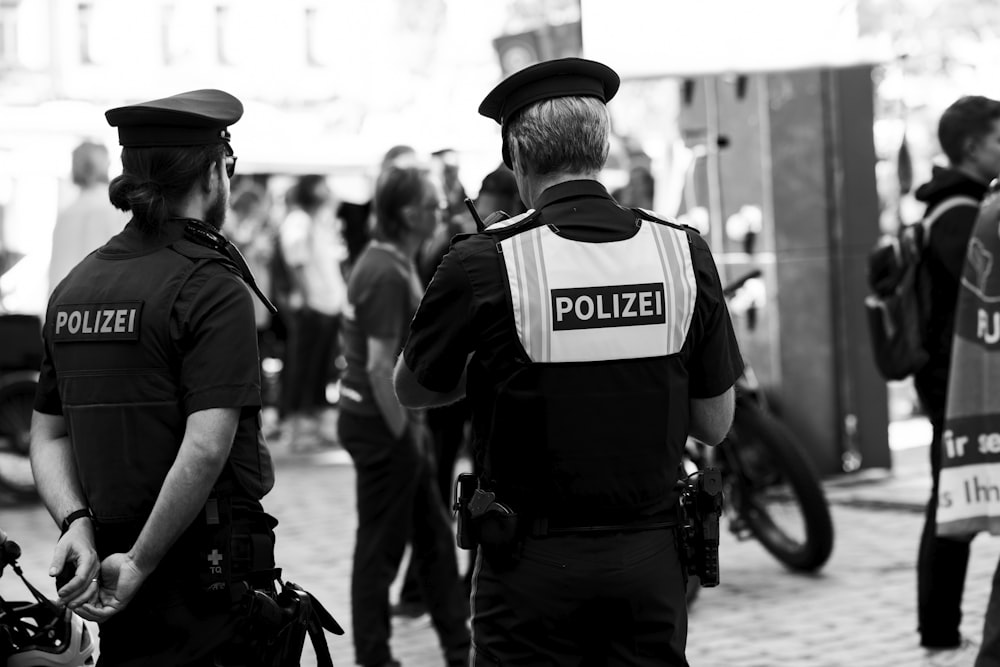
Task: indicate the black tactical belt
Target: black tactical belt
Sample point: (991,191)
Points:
(540,527)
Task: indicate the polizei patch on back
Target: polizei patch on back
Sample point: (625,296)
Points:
(575,301)
(97,321)
(617,306)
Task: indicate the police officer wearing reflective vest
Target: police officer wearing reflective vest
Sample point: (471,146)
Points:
(146,442)
(590,341)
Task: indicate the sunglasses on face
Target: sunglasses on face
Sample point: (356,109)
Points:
(230,161)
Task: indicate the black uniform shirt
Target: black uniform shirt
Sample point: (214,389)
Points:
(464,309)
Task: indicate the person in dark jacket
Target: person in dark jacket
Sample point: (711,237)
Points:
(969,133)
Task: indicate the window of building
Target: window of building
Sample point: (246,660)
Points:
(84,29)
(8,33)
(222,20)
(167,12)
(312,37)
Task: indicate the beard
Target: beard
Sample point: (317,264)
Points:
(216,213)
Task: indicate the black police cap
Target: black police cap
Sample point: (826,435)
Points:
(565,77)
(194,118)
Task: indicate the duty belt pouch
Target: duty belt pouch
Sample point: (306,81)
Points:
(215,570)
(252,551)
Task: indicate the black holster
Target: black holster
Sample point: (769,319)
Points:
(701,502)
(275,625)
(484,522)
(278,625)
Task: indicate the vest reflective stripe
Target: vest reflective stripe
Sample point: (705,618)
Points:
(529,274)
(670,240)
(574,301)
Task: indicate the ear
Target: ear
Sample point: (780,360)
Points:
(212,174)
(404,218)
(971,147)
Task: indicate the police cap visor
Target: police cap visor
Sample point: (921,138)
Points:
(565,77)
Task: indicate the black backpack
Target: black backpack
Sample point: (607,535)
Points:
(899,304)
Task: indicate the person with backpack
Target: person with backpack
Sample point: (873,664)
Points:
(969,134)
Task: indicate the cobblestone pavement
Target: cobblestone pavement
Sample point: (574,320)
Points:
(858,611)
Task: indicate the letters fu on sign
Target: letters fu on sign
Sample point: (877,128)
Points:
(97,321)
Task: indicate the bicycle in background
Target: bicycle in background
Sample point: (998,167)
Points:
(772,491)
(20,357)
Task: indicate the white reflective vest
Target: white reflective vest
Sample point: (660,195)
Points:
(577,301)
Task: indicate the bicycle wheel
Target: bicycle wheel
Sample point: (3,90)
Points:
(775,491)
(16,403)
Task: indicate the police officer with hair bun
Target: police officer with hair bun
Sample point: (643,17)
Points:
(590,340)
(146,443)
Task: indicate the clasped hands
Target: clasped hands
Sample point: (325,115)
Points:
(97,590)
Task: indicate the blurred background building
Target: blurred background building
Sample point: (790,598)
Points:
(725,104)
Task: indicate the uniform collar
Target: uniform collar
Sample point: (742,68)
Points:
(133,241)
(571,190)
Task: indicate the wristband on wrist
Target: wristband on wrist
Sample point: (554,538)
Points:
(73,516)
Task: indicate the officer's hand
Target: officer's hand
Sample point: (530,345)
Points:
(75,565)
(120,580)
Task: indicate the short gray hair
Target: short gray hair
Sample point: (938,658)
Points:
(561,134)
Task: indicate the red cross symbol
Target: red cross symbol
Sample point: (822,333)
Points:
(215,557)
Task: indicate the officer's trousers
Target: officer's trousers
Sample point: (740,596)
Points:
(168,627)
(173,621)
(598,599)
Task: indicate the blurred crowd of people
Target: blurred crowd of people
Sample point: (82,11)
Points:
(300,242)
(304,246)
(301,245)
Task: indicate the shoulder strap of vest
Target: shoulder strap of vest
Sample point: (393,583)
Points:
(511,226)
(651,216)
(206,236)
(197,251)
